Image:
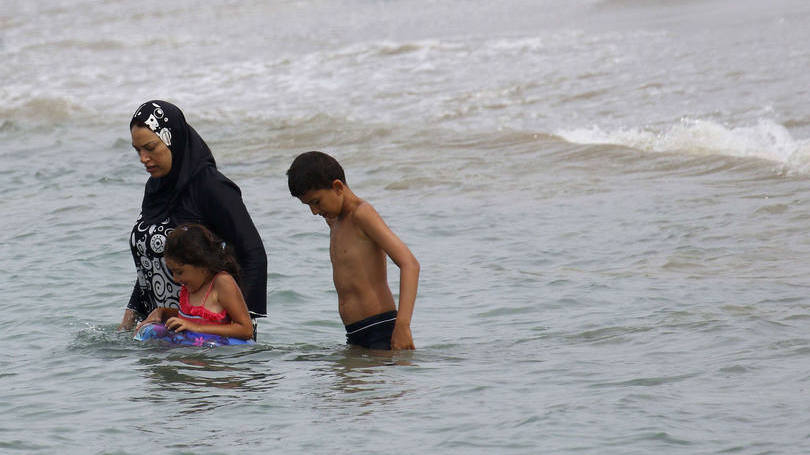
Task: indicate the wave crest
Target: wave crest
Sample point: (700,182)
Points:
(44,110)
(766,140)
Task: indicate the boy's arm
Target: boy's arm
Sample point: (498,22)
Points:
(374,226)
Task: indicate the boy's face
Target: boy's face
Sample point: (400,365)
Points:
(327,202)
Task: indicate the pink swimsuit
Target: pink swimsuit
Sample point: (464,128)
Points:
(199,313)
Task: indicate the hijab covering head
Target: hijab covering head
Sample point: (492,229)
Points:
(190,155)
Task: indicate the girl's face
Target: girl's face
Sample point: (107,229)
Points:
(154,155)
(190,276)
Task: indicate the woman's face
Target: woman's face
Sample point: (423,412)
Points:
(154,155)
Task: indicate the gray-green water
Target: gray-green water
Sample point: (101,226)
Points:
(609,201)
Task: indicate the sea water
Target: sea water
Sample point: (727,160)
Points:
(609,200)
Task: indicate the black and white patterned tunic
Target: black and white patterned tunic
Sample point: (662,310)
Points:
(155,287)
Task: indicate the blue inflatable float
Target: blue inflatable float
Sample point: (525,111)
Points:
(159,333)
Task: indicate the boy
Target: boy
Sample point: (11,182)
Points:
(359,241)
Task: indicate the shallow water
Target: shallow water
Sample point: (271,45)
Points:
(608,200)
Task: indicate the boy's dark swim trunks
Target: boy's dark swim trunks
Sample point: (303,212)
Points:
(373,332)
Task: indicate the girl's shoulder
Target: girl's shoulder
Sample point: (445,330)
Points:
(222,279)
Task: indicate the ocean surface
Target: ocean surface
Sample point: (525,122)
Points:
(610,201)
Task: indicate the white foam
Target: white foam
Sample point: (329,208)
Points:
(766,140)
(44,109)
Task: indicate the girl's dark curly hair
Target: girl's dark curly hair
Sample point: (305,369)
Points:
(194,244)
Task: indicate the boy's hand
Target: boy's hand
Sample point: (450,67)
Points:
(401,338)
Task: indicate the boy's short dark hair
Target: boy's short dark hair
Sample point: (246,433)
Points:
(313,171)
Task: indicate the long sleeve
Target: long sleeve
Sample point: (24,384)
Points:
(221,206)
(136,303)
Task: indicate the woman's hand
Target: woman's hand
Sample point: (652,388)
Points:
(156,316)
(128,320)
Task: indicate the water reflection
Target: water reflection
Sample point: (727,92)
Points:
(367,378)
(207,379)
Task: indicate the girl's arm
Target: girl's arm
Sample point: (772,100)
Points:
(158,315)
(231,299)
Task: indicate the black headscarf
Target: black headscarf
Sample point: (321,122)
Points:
(190,155)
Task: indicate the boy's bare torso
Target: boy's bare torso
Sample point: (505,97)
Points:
(358,270)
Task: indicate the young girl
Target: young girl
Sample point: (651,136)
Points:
(210,300)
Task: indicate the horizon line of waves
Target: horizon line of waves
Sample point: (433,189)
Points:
(43,110)
(766,140)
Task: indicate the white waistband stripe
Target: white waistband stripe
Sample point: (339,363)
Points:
(371,325)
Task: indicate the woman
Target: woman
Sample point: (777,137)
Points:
(185,187)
